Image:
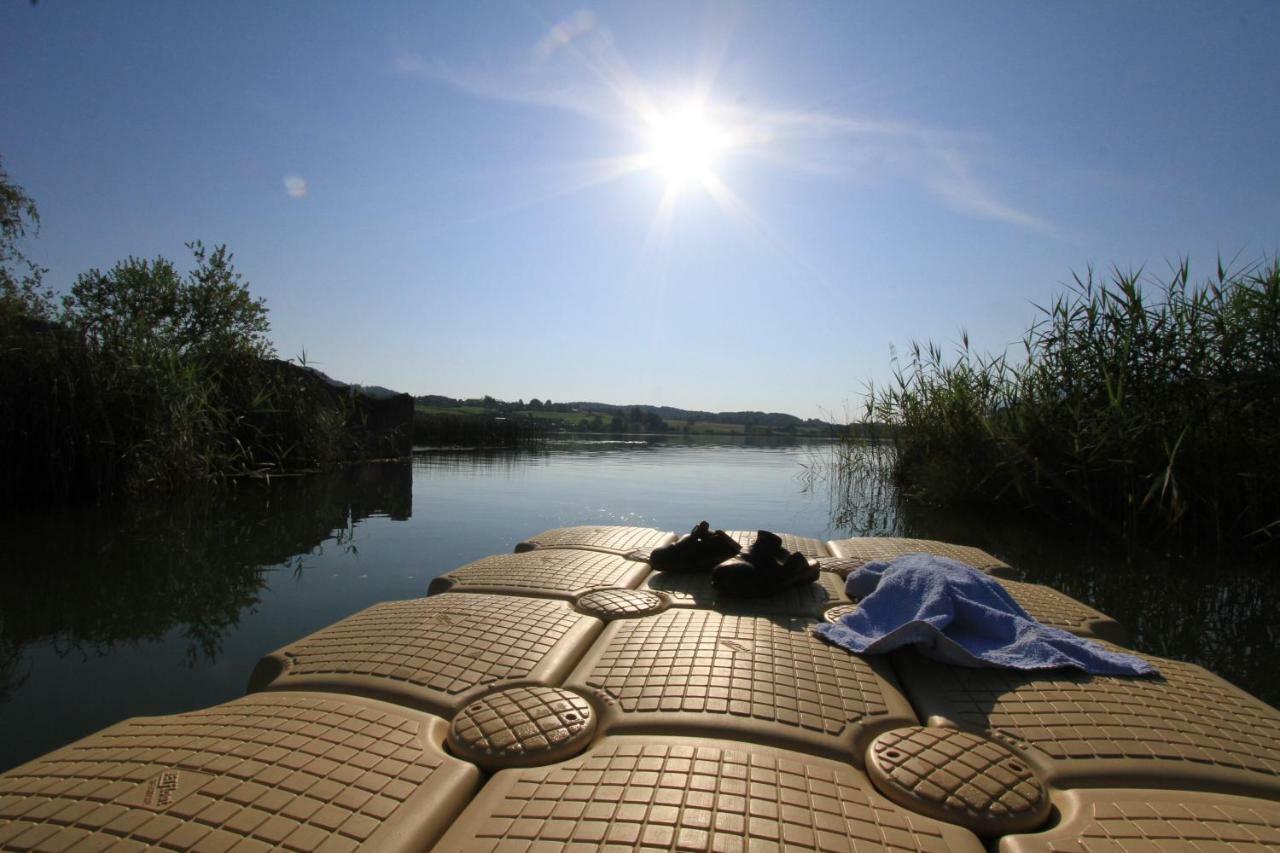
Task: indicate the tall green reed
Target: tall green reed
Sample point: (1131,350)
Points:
(1150,407)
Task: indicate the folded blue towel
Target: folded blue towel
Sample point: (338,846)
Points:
(954,613)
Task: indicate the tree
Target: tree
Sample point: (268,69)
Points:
(21,290)
(146,308)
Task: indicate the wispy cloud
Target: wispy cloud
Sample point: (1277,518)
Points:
(575,67)
(962,190)
(562,34)
(517,86)
(858,147)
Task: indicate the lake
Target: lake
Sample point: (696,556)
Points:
(114,612)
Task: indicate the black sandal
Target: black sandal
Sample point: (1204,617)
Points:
(700,551)
(764,569)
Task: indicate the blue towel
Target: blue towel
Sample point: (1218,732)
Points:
(954,613)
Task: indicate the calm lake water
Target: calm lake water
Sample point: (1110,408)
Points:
(112,613)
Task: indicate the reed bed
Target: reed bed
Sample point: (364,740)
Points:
(1149,406)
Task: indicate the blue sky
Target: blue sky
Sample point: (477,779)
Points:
(464,199)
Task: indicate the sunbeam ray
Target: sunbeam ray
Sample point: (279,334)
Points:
(660,226)
(604,170)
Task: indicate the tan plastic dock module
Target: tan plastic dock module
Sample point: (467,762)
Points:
(610,604)
(755,678)
(434,653)
(866,548)
(1059,610)
(1137,820)
(555,573)
(1044,603)
(790,542)
(1185,729)
(695,590)
(522,727)
(302,771)
(614,539)
(958,777)
(836,613)
(692,794)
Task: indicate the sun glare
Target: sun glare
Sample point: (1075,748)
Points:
(686,147)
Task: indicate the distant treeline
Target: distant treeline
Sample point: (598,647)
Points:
(433,428)
(591,417)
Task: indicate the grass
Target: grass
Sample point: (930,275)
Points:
(1150,407)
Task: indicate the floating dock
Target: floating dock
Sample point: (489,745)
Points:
(563,697)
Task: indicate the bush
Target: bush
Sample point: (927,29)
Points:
(149,380)
(145,379)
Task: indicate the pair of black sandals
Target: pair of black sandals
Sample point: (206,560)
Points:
(764,569)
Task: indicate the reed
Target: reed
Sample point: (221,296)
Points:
(1150,407)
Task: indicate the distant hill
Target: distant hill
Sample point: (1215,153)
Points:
(769,419)
(585,415)
(376,391)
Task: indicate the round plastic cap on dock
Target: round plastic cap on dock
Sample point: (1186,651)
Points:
(958,777)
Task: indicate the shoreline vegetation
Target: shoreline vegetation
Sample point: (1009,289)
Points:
(1146,407)
(144,379)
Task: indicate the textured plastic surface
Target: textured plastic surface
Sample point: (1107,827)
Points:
(522,727)
(958,777)
(695,590)
(687,794)
(434,653)
(1054,608)
(1138,821)
(841,566)
(833,614)
(553,573)
(790,542)
(609,604)
(692,702)
(755,678)
(1186,729)
(868,548)
(617,540)
(301,772)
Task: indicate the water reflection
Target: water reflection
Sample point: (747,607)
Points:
(87,581)
(157,609)
(479,461)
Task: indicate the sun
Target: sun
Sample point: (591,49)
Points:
(686,146)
